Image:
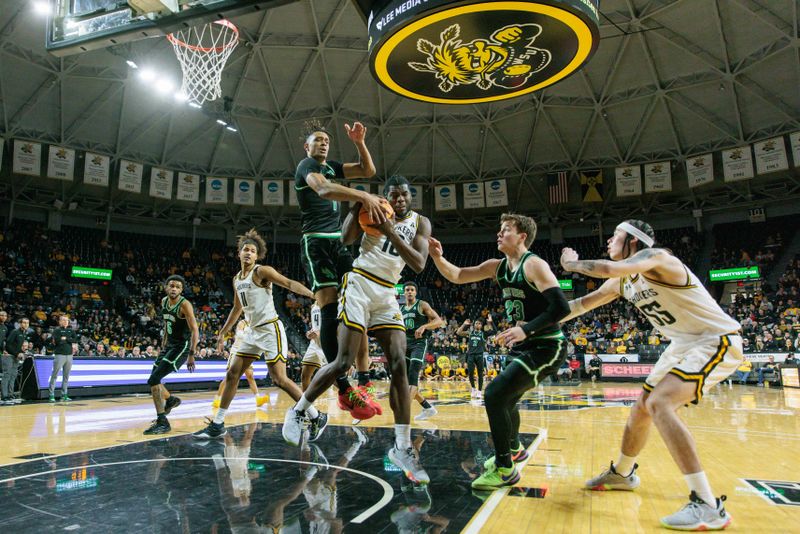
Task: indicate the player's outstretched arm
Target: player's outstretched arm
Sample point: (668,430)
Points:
(460,275)
(188,312)
(351,229)
(331,191)
(265,272)
(607,292)
(641,262)
(365,168)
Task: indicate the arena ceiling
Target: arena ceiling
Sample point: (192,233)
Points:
(671,78)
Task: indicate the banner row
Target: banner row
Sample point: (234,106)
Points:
(737,164)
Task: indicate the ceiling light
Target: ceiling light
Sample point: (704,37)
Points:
(42,7)
(195,105)
(222,122)
(164,86)
(180,96)
(231,128)
(131,64)
(147,74)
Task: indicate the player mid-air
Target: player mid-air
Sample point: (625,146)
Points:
(324,257)
(705,348)
(180,342)
(263,335)
(369,306)
(534,304)
(420,320)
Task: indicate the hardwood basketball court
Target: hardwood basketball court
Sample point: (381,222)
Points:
(60,461)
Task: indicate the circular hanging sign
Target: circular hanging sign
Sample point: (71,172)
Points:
(474,51)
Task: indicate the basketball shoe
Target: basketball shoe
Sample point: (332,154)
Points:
(699,515)
(611,480)
(353,400)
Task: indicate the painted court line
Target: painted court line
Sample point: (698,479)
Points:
(493,501)
(388,492)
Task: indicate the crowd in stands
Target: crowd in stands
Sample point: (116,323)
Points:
(120,318)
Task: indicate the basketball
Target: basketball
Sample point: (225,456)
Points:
(365,220)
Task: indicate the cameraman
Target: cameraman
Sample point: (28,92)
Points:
(64,342)
(12,359)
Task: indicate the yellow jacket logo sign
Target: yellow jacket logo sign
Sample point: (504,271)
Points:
(506,59)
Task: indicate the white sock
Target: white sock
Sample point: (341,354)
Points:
(220,415)
(698,483)
(312,412)
(302,404)
(217,397)
(624,465)
(402,436)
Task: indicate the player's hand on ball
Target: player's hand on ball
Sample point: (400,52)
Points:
(568,255)
(419,331)
(508,35)
(373,206)
(511,336)
(435,247)
(357,132)
(386,227)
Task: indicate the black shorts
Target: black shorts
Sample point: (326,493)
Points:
(539,357)
(477,359)
(325,259)
(415,356)
(171,359)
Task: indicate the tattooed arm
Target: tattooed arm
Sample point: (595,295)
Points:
(643,261)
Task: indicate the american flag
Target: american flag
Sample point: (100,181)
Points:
(557,187)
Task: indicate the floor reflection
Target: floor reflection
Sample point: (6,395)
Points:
(250,482)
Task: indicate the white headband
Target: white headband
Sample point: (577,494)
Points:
(635,232)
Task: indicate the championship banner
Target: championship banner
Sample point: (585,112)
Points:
(473,195)
(244,192)
(292,194)
(216,190)
(771,156)
(737,164)
(188,187)
(496,193)
(272,192)
(61,163)
(416,197)
(161,183)
(361,186)
(130,176)
(27,158)
(629,181)
(794,139)
(658,177)
(700,170)
(445,197)
(472,51)
(592,185)
(96,169)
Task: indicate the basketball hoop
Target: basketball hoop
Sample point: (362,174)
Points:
(202,52)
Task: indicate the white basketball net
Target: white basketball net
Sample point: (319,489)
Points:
(202,52)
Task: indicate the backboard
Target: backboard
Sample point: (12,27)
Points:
(76,26)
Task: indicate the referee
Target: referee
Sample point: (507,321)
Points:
(64,342)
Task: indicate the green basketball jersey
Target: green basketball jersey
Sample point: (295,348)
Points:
(176,327)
